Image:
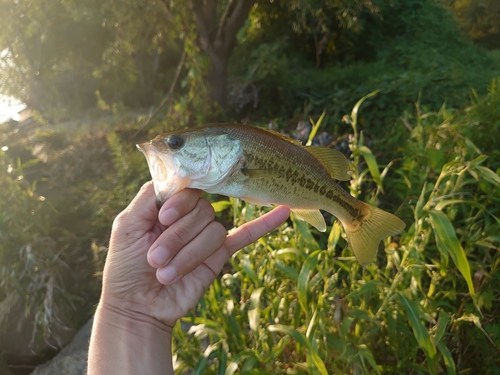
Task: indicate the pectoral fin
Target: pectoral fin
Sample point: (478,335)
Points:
(334,161)
(313,217)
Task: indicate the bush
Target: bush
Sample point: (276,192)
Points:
(298,301)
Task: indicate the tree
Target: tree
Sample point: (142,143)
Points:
(56,55)
(217,38)
(479,19)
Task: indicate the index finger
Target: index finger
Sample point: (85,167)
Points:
(178,205)
(255,229)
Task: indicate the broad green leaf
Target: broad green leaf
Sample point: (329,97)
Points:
(448,359)
(479,160)
(291,250)
(303,286)
(488,175)
(372,165)
(221,205)
(253,312)
(447,242)
(334,236)
(441,325)
(312,324)
(419,330)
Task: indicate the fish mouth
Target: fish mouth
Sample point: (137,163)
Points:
(162,171)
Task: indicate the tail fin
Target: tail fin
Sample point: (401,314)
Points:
(364,237)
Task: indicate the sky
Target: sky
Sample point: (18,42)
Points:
(9,108)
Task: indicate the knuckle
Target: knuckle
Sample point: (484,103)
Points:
(119,220)
(218,231)
(178,237)
(206,208)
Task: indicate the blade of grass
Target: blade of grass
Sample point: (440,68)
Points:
(315,128)
(303,280)
(419,331)
(447,242)
(372,165)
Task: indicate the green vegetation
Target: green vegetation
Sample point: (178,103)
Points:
(424,145)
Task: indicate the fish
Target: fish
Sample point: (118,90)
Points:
(266,168)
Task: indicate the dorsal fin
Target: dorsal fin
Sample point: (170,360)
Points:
(334,161)
(282,136)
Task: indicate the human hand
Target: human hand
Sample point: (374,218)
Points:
(160,263)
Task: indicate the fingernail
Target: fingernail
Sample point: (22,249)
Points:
(169,216)
(159,255)
(167,275)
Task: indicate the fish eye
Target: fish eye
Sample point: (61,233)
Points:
(175,142)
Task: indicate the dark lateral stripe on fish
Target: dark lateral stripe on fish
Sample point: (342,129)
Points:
(305,182)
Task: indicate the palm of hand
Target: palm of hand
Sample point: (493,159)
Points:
(197,247)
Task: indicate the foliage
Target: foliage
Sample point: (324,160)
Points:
(297,301)
(410,53)
(46,269)
(56,56)
(478,19)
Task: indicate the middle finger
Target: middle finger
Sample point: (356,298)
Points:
(180,233)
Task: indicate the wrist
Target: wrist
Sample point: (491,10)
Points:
(127,342)
(131,320)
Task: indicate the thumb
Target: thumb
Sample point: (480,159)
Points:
(141,214)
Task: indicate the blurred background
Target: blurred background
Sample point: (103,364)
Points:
(81,82)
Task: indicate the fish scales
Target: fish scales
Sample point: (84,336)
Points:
(283,157)
(265,167)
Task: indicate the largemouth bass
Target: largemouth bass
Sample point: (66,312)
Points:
(265,168)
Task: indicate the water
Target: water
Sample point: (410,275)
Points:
(9,107)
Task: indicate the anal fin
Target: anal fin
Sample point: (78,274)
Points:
(313,217)
(257,202)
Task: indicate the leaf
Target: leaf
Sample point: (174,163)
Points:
(441,325)
(477,322)
(447,242)
(202,363)
(488,175)
(448,359)
(245,264)
(365,353)
(315,128)
(303,280)
(221,205)
(301,339)
(334,236)
(419,330)
(291,272)
(253,312)
(372,165)
(355,109)
(304,234)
